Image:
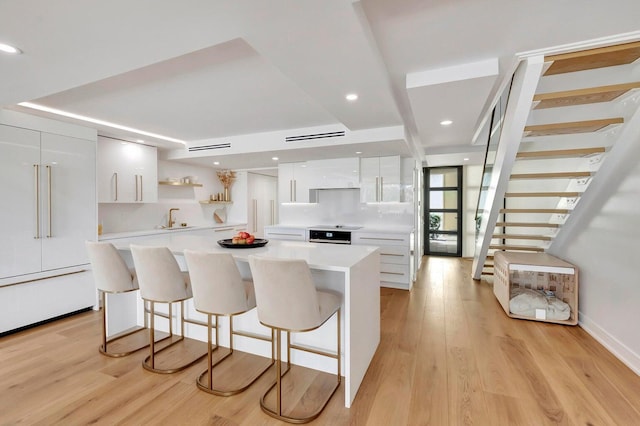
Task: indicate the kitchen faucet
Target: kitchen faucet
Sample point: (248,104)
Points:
(171,221)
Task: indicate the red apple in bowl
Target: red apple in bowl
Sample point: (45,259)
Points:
(250,239)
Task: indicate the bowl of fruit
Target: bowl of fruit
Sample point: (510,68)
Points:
(243,240)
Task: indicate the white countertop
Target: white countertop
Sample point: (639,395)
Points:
(390,229)
(330,257)
(163,231)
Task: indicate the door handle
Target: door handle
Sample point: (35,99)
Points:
(141,189)
(115,177)
(377,188)
(291,190)
(381,188)
(255,215)
(295,190)
(273,212)
(36,180)
(49,196)
(136,187)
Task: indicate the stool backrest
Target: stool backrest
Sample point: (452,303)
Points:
(159,275)
(285,293)
(110,272)
(216,283)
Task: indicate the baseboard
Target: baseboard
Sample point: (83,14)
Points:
(617,348)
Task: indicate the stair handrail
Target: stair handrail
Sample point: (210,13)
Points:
(523,87)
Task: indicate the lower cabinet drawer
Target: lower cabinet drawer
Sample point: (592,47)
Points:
(394,273)
(394,254)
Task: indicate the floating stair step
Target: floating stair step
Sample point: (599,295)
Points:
(585,96)
(517,248)
(570,127)
(560,153)
(554,175)
(487,273)
(559,211)
(609,56)
(522,237)
(543,194)
(528,224)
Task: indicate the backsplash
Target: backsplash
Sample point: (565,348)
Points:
(343,206)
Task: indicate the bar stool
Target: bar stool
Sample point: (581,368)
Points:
(219,290)
(161,281)
(287,300)
(112,276)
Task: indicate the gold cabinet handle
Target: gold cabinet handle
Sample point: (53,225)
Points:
(115,177)
(141,189)
(36,180)
(49,196)
(136,187)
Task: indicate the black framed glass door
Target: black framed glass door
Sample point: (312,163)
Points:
(443,211)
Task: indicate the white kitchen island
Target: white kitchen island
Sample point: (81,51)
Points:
(352,271)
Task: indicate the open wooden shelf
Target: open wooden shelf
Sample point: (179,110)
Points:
(601,57)
(589,95)
(170,183)
(570,127)
(215,202)
(560,153)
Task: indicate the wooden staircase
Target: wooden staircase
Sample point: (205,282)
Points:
(553,168)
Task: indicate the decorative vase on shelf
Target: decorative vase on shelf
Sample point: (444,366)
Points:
(226,178)
(227,195)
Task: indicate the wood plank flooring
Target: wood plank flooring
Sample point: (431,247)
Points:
(448,356)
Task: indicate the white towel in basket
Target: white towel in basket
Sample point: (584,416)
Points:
(525,301)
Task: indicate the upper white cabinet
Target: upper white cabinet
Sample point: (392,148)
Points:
(49,202)
(380,179)
(127,172)
(293,183)
(334,173)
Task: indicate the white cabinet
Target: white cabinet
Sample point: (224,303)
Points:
(293,183)
(262,192)
(291,233)
(380,179)
(49,204)
(334,173)
(395,256)
(127,172)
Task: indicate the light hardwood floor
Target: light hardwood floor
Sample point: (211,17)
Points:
(448,356)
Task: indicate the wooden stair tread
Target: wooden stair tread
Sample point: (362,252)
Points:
(543,194)
(570,127)
(560,153)
(559,211)
(528,224)
(600,57)
(522,237)
(516,248)
(590,95)
(552,175)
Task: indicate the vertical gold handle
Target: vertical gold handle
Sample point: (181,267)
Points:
(36,180)
(381,188)
(295,190)
(115,176)
(291,190)
(136,187)
(255,215)
(49,233)
(141,190)
(377,188)
(273,213)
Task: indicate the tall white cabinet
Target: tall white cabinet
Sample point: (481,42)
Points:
(49,210)
(262,202)
(127,172)
(380,179)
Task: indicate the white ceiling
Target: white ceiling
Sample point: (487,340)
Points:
(201,69)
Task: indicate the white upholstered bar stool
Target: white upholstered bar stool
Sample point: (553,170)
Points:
(287,300)
(219,290)
(161,281)
(111,275)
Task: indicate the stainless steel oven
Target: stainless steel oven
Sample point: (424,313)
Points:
(333,234)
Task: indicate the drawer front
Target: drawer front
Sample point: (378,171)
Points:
(394,273)
(286,234)
(379,239)
(394,254)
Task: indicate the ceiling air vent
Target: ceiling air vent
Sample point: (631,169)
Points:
(209,147)
(314,136)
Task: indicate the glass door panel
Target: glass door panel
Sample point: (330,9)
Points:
(443,211)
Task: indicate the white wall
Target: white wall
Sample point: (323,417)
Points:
(601,238)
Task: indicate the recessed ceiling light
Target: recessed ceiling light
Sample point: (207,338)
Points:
(6,48)
(465,159)
(99,122)
(358,152)
(275,158)
(446,122)
(216,163)
(352,97)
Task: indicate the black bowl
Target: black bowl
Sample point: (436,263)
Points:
(258,242)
